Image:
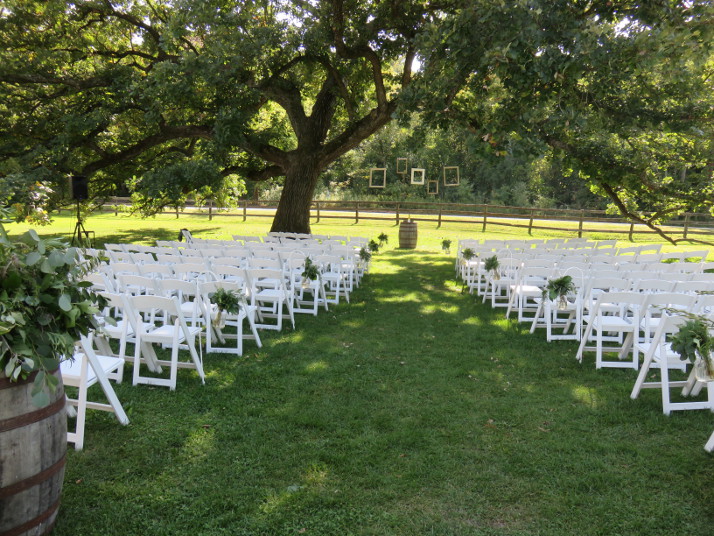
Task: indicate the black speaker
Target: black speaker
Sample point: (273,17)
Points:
(80,190)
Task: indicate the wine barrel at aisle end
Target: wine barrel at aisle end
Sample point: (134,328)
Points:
(33,445)
(408,234)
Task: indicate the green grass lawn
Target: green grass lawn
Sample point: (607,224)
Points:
(413,410)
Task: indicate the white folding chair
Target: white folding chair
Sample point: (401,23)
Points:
(215,335)
(113,323)
(498,285)
(563,314)
(86,369)
(308,294)
(269,295)
(334,277)
(159,320)
(526,294)
(659,355)
(615,319)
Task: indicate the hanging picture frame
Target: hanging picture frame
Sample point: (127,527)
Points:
(451,176)
(432,187)
(378,177)
(418,176)
(401,166)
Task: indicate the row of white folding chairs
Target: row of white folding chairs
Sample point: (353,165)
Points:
(336,277)
(185,267)
(526,297)
(475,277)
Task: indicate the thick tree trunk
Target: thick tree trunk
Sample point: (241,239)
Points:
(293,214)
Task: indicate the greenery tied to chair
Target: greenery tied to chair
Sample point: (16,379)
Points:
(467,254)
(227,301)
(365,254)
(491,264)
(446,245)
(694,343)
(383,239)
(558,289)
(373,246)
(310,273)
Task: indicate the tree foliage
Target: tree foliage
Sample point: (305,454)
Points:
(621,90)
(172,97)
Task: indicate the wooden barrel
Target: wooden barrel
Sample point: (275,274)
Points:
(407,234)
(33,445)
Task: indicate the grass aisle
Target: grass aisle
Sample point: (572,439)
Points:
(413,410)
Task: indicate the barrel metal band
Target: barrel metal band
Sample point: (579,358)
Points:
(6,383)
(22,485)
(44,516)
(32,417)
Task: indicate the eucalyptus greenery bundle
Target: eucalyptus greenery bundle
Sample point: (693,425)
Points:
(693,341)
(445,245)
(467,254)
(311,270)
(383,239)
(491,264)
(365,254)
(229,301)
(373,246)
(558,287)
(44,308)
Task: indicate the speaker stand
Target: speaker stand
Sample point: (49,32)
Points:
(80,236)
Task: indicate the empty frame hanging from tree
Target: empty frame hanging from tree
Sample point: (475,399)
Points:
(418,175)
(451,176)
(378,177)
(401,166)
(432,187)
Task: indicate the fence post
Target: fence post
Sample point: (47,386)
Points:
(356,212)
(686,226)
(632,228)
(210,209)
(485,215)
(245,209)
(530,224)
(317,206)
(580,224)
(116,210)
(177,212)
(439,223)
(397,213)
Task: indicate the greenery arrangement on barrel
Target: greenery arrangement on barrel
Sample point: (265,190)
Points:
(45,307)
(558,289)
(695,343)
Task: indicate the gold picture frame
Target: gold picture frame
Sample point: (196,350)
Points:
(378,177)
(453,179)
(402,166)
(418,176)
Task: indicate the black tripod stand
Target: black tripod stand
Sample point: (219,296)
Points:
(80,236)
